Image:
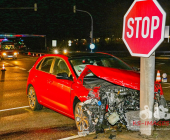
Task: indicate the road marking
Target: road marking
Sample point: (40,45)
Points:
(13,108)
(166,87)
(9,64)
(15,66)
(160,63)
(75,136)
(20,68)
(72,137)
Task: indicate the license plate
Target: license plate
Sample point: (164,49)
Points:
(10,56)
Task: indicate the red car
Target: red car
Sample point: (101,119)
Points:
(95,89)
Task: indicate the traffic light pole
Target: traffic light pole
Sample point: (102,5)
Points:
(13,8)
(91,33)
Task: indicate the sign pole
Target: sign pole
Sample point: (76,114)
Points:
(143,32)
(147,74)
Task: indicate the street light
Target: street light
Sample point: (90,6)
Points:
(91,32)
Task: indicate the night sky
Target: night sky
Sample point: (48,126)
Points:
(55,18)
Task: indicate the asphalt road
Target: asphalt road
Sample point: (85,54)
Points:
(17,121)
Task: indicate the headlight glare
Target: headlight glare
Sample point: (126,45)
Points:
(65,51)
(4,53)
(56,51)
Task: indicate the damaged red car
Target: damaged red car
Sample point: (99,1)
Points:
(95,89)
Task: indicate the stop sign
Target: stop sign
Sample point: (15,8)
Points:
(143,27)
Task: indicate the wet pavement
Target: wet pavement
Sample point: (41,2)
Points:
(26,124)
(17,124)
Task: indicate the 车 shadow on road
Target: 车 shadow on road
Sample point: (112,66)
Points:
(2,76)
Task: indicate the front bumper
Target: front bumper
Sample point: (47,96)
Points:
(9,56)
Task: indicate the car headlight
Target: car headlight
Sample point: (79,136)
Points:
(4,53)
(65,51)
(15,53)
(56,51)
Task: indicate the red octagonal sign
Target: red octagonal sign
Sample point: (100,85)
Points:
(143,27)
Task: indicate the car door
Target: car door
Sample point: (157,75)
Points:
(60,89)
(41,75)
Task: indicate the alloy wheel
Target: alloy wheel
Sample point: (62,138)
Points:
(31,97)
(80,119)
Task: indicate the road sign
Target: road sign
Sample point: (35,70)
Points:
(143,27)
(54,43)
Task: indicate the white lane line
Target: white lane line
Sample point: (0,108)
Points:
(160,63)
(20,68)
(75,136)
(166,83)
(166,87)
(13,108)
(15,66)
(72,137)
(10,64)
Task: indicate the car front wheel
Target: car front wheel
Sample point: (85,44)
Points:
(32,99)
(80,119)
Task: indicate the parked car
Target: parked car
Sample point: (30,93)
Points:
(95,89)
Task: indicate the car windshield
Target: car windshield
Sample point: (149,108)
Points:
(79,64)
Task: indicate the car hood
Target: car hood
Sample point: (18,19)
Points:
(126,78)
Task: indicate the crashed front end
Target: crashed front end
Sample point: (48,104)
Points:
(110,104)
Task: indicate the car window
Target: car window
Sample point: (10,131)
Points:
(46,64)
(60,66)
(39,64)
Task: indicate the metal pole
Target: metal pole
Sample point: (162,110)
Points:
(91,23)
(45,43)
(147,74)
(14,8)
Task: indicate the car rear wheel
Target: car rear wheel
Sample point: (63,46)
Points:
(32,99)
(80,119)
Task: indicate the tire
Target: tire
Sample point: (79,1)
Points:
(81,120)
(32,99)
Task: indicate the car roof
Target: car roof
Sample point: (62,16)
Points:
(86,54)
(72,55)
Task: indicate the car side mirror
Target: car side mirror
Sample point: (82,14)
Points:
(136,69)
(63,75)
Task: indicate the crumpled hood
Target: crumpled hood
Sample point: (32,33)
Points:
(126,78)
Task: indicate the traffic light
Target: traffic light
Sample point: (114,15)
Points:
(74,9)
(35,6)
